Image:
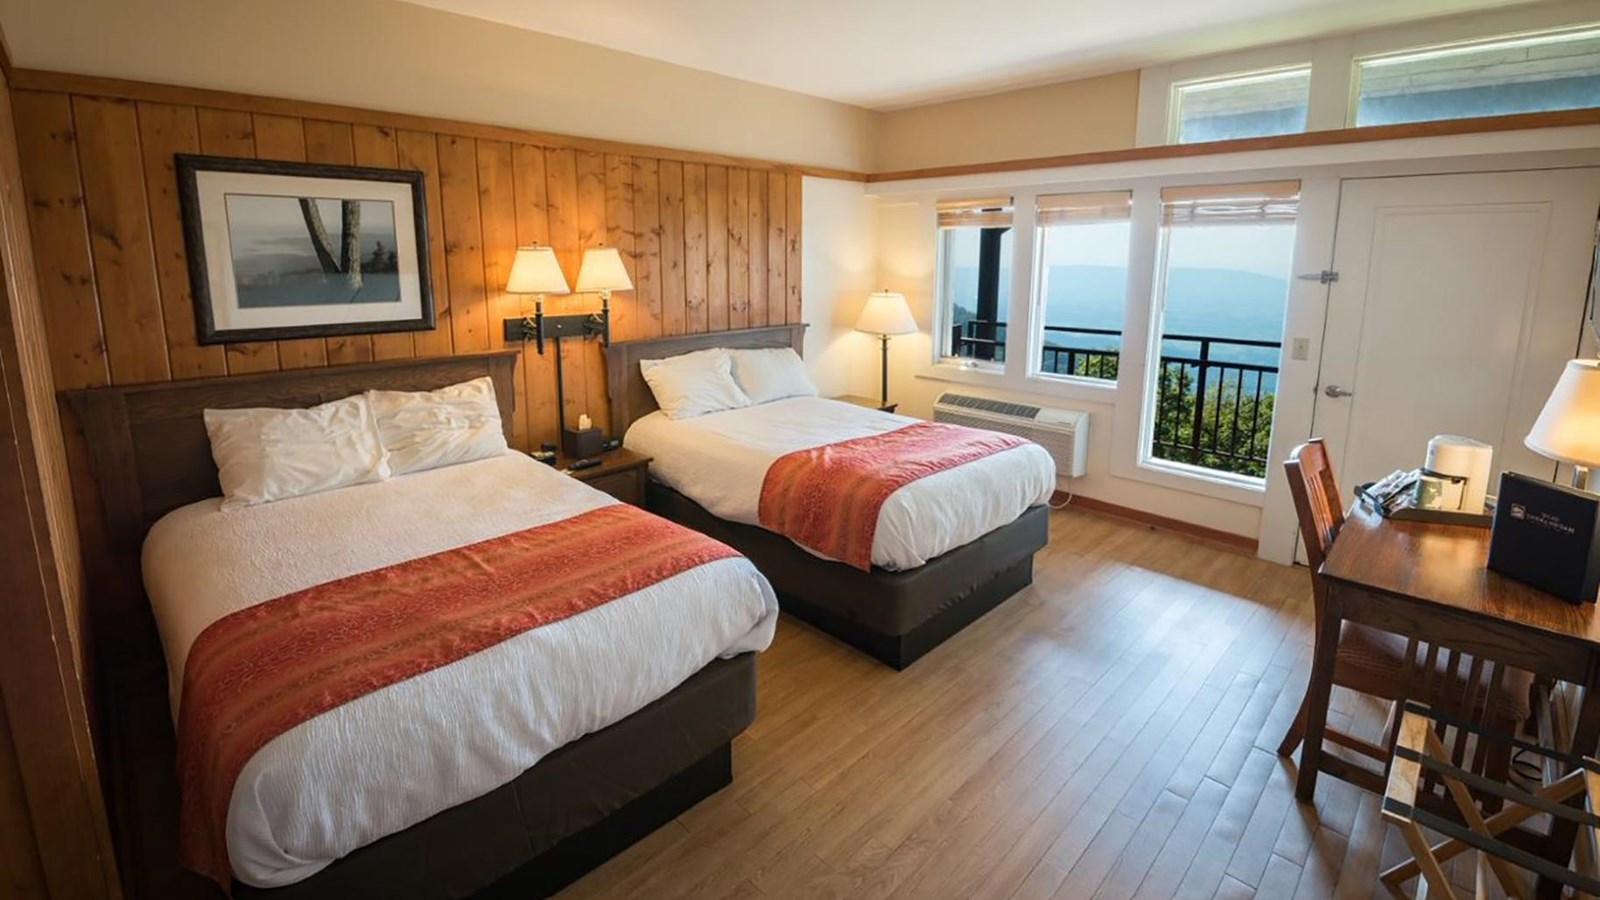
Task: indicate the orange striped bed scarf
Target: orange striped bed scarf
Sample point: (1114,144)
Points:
(259,672)
(827,498)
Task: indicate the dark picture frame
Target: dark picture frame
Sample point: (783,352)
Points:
(256,276)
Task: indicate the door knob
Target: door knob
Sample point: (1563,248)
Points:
(1335,391)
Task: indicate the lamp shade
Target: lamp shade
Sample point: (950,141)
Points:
(602,270)
(1568,429)
(536,271)
(886,312)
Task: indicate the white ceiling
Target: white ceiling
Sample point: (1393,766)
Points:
(884,54)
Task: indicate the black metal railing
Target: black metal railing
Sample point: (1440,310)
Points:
(1210,412)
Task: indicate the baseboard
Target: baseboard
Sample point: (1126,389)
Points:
(1236,542)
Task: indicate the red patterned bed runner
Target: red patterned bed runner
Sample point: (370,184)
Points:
(828,498)
(259,672)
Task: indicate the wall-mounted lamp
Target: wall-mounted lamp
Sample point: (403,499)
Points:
(536,271)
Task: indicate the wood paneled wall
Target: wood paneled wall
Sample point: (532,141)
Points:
(55,839)
(711,245)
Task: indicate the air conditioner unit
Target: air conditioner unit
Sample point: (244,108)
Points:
(1063,432)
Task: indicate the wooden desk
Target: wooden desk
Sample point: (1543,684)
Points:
(1432,581)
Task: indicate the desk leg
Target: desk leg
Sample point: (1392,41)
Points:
(1318,692)
(1585,735)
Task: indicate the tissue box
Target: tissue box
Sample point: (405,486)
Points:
(580,443)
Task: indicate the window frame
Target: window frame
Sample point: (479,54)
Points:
(1036,302)
(1353,108)
(944,312)
(1332,60)
(1175,106)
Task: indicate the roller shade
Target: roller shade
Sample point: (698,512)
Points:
(1261,201)
(1098,206)
(990,212)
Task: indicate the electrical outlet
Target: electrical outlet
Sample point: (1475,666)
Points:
(1300,349)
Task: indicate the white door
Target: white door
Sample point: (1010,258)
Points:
(1459,299)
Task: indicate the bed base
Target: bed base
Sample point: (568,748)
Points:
(574,810)
(894,617)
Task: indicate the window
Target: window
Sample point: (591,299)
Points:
(1083,282)
(1223,283)
(1555,70)
(974,278)
(1241,106)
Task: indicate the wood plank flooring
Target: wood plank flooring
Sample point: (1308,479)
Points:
(1108,733)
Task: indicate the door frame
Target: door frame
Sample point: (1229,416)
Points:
(1315,250)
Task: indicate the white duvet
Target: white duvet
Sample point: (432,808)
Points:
(396,756)
(720,460)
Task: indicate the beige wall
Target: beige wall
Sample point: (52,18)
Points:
(1071,117)
(382,54)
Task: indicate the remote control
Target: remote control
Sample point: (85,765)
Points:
(588,463)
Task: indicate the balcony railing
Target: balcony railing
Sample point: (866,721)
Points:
(1210,412)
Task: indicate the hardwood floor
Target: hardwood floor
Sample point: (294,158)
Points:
(1108,733)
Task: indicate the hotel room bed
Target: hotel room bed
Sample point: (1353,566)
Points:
(720,460)
(395,756)
(947,548)
(534,758)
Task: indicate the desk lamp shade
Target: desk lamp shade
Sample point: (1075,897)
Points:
(886,313)
(602,271)
(535,270)
(1568,429)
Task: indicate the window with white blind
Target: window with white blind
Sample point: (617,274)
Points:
(1222,283)
(974,290)
(1518,74)
(1082,254)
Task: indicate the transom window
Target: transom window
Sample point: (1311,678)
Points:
(1252,104)
(1529,73)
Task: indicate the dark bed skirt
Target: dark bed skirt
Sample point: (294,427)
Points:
(576,808)
(895,617)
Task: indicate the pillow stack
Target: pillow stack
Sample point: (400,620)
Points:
(263,455)
(708,381)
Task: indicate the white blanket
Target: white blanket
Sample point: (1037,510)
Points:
(396,756)
(720,460)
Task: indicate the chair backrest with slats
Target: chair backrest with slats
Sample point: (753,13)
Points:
(1316,500)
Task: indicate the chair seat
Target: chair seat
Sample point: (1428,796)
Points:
(1372,661)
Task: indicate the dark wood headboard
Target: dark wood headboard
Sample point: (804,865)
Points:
(631,398)
(147,442)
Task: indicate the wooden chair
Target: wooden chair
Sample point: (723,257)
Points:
(1390,666)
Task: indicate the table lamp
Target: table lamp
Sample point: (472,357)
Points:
(1568,428)
(886,314)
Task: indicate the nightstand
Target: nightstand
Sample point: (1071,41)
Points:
(868,402)
(621,474)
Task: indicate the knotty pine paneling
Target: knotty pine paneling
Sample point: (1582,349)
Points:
(710,246)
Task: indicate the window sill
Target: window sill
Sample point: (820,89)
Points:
(1239,489)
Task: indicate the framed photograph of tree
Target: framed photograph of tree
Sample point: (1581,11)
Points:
(281,250)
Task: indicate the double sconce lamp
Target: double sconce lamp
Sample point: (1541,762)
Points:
(536,271)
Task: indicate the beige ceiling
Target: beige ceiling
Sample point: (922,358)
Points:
(884,54)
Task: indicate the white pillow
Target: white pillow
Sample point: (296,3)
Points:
(273,454)
(693,384)
(771,374)
(429,429)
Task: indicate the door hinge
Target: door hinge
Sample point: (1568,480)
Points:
(1326,276)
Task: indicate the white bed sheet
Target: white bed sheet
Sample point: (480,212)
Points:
(720,460)
(398,755)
